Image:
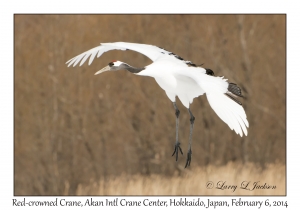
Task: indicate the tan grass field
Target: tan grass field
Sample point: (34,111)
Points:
(195,182)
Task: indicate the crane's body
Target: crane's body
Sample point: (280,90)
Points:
(173,81)
(180,78)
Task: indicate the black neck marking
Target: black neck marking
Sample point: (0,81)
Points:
(131,68)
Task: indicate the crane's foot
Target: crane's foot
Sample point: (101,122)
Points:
(189,158)
(177,147)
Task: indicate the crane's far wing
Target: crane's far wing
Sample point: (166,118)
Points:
(150,51)
(232,113)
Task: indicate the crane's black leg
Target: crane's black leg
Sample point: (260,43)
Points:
(177,144)
(189,154)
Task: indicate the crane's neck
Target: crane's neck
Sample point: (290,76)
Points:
(132,69)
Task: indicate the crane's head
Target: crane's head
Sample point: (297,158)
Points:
(113,66)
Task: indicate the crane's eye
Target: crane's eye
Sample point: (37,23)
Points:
(111,64)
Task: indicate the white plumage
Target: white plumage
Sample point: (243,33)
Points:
(178,78)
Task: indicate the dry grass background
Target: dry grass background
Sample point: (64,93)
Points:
(74,130)
(230,179)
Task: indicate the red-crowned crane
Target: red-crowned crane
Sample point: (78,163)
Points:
(180,78)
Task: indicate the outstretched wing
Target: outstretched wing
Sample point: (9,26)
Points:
(231,112)
(150,51)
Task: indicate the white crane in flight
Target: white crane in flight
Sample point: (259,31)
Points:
(180,78)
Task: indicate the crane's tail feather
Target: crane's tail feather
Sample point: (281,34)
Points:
(234,89)
(232,113)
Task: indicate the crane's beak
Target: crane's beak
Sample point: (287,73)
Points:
(106,68)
